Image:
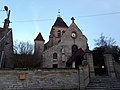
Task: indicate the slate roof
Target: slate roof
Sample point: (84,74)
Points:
(39,38)
(60,23)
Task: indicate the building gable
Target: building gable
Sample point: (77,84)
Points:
(79,38)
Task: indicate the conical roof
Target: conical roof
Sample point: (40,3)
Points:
(59,23)
(39,38)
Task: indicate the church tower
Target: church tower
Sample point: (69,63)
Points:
(58,29)
(39,45)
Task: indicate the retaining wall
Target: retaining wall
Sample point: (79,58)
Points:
(43,79)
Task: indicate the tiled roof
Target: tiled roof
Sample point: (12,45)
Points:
(39,38)
(60,23)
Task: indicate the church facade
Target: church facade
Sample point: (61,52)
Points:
(68,48)
(65,48)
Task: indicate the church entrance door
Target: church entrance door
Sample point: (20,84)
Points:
(78,61)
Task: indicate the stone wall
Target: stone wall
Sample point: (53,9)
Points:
(109,64)
(117,69)
(42,79)
(84,76)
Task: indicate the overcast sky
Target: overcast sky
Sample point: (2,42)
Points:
(93,17)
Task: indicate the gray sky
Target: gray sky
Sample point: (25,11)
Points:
(93,17)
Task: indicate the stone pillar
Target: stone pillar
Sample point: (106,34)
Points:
(90,63)
(81,78)
(83,74)
(109,64)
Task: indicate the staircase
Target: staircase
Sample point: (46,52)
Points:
(103,83)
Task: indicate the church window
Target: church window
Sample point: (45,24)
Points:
(59,33)
(74,48)
(54,55)
(63,32)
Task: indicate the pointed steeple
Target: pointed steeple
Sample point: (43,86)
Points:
(39,38)
(59,23)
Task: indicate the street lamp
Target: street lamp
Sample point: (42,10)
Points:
(7,11)
(6,8)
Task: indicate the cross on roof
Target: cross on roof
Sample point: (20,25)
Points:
(72,19)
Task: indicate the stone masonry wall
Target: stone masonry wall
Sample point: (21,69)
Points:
(117,69)
(39,79)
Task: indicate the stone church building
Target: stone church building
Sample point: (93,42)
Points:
(68,48)
(65,48)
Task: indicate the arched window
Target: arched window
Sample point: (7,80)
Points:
(74,48)
(54,55)
(59,33)
(63,32)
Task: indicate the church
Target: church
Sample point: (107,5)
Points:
(66,46)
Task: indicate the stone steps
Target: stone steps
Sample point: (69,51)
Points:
(103,83)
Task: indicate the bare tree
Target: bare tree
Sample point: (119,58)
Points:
(23,48)
(107,45)
(23,56)
(104,41)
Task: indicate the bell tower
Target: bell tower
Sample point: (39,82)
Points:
(58,29)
